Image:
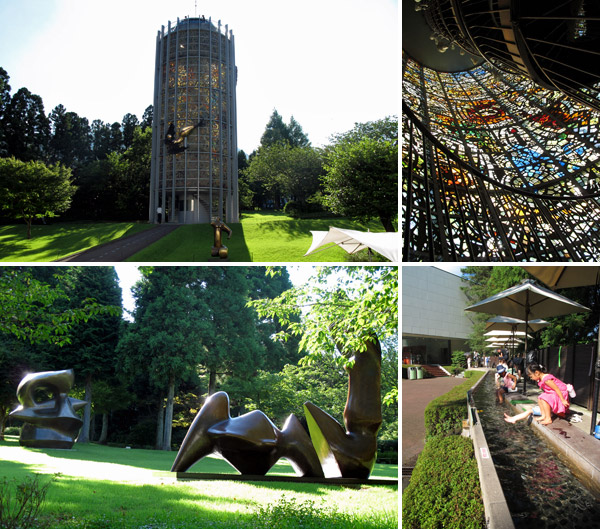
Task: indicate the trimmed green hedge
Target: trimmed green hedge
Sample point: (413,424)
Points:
(444,415)
(444,488)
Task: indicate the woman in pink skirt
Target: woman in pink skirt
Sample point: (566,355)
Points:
(553,400)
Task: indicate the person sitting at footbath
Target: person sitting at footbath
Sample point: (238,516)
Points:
(508,382)
(553,400)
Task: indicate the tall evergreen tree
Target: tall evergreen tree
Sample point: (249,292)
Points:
(129,124)
(71,138)
(26,127)
(4,102)
(92,351)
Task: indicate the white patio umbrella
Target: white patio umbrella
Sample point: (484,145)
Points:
(502,339)
(568,277)
(503,323)
(385,243)
(507,333)
(527,301)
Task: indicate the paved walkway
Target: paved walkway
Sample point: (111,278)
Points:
(416,394)
(123,248)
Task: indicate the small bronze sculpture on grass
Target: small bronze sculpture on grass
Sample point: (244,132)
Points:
(48,413)
(351,452)
(218,250)
(251,443)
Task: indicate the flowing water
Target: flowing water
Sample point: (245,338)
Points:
(540,490)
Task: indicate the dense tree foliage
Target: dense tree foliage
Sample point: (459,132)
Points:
(279,173)
(37,309)
(361,173)
(110,163)
(193,333)
(32,190)
(482,282)
(342,313)
(277,132)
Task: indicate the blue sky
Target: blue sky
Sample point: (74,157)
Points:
(329,63)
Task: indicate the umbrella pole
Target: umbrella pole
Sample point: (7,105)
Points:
(596,387)
(525,359)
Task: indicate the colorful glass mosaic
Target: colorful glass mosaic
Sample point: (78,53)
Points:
(514,176)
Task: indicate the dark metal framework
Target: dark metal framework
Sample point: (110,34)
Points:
(497,168)
(195,80)
(555,43)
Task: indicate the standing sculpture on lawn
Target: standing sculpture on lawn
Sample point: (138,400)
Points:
(48,413)
(252,443)
(218,249)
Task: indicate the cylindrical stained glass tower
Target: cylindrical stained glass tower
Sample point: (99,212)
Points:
(194,137)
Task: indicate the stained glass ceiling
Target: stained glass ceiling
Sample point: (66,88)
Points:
(519,181)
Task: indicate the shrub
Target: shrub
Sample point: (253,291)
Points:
(459,359)
(12,430)
(444,488)
(20,502)
(444,415)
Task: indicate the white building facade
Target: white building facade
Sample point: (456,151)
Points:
(434,322)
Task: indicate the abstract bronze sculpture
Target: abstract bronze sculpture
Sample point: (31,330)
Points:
(176,142)
(251,443)
(351,453)
(48,413)
(218,250)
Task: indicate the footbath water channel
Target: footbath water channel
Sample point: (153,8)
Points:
(540,490)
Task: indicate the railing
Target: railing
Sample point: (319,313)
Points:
(453,211)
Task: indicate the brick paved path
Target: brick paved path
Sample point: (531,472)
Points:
(416,394)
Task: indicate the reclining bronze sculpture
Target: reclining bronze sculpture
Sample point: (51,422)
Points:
(252,443)
(49,422)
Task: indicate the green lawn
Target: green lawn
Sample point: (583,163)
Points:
(263,237)
(106,487)
(55,241)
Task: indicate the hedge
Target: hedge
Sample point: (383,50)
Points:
(444,488)
(444,415)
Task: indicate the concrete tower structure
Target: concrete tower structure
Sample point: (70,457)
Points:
(194,133)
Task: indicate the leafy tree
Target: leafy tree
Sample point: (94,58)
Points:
(4,102)
(116,138)
(482,282)
(129,182)
(101,139)
(34,312)
(71,136)
(26,127)
(277,132)
(32,190)
(361,180)
(128,126)
(280,170)
(91,353)
(147,118)
(338,317)
(94,198)
(165,338)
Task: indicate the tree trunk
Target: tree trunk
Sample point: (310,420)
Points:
(212,382)
(104,432)
(387,222)
(84,435)
(160,422)
(169,415)
(3,417)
